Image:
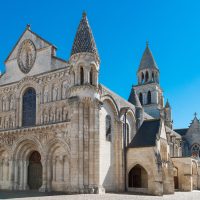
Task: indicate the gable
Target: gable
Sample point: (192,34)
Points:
(32,55)
(28,34)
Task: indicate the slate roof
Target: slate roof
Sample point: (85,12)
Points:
(133,98)
(146,135)
(181,131)
(147,60)
(84,40)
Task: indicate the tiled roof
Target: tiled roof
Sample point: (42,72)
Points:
(84,40)
(146,135)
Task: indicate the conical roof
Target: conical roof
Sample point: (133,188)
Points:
(133,98)
(167,105)
(84,40)
(147,60)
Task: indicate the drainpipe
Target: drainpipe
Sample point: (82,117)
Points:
(125,150)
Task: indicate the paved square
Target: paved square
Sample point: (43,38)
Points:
(195,195)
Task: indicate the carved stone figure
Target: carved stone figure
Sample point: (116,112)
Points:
(55,93)
(45,94)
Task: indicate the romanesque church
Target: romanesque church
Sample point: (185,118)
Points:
(62,130)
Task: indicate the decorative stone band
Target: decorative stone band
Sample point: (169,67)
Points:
(36,127)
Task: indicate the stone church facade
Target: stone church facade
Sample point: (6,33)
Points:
(61,130)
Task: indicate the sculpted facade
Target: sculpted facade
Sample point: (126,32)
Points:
(61,130)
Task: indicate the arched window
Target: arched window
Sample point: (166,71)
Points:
(82,76)
(146,76)
(195,151)
(91,76)
(149,97)
(153,78)
(138,177)
(141,98)
(108,127)
(142,77)
(29,107)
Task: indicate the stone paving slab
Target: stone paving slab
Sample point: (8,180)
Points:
(195,195)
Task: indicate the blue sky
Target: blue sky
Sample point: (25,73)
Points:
(121,29)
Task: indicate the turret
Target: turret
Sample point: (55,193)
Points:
(133,98)
(168,115)
(84,59)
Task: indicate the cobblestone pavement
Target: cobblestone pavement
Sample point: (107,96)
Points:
(195,195)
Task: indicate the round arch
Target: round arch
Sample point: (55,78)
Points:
(112,102)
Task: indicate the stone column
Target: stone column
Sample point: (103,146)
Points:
(49,175)
(25,186)
(1,170)
(44,176)
(38,110)
(91,147)
(16,174)
(11,173)
(21,175)
(54,170)
(18,113)
(80,145)
(62,168)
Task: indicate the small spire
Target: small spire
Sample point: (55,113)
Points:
(28,27)
(195,115)
(147,61)
(84,14)
(133,98)
(167,105)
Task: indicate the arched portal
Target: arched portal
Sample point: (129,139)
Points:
(35,171)
(138,177)
(29,107)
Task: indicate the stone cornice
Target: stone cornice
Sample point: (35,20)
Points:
(35,128)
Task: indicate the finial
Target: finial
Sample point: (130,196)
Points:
(195,114)
(28,26)
(147,43)
(84,14)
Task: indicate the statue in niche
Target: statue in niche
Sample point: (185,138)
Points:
(1,122)
(6,123)
(65,114)
(51,116)
(10,122)
(4,103)
(57,115)
(65,87)
(12,102)
(45,95)
(55,93)
(45,117)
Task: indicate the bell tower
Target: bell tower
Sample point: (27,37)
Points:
(148,88)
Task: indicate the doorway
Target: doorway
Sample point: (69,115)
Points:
(35,171)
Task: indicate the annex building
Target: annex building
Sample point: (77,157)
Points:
(61,130)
